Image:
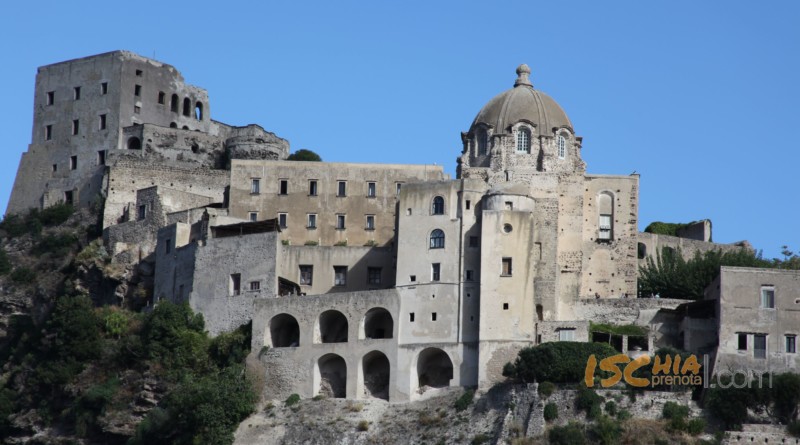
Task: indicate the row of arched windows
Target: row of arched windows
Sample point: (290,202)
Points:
(174,106)
(332,326)
(523,142)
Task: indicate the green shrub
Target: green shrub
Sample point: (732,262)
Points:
(5,263)
(607,430)
(229,348)
(57,245)
(55,214)
(550,412)
(23,275)
(304,155)
(626,329)
(558,362)
(794,428)
(696,426)
(292,400)
(785,396)
(589,401)
(611,408)
(571,434)
(480,439)
(546,389)
(623,415)
(175,336)
(362,425)
(674,410)
(465,400)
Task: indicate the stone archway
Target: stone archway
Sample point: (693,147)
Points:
(332,327)
(332,376)
(434,368)
(284,331)
(378,323)
(376,369)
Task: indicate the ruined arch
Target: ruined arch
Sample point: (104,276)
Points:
(332,327)
(198,111)
(284,331)
(378,323)
(376,371)
(187,107)
(173,103)
(332,376)
(134,143)
(434,368)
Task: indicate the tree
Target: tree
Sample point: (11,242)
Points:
(304,155)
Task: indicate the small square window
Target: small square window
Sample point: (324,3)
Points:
(469,276)
(69,197)
(509,205)
(76,93)
(312,221)
(255,186)
(467,204)
(370,222)
(102,121)
(374,275)
(371,190)
(505,306)
(161,97)
(433,316)
(341,189)
(253,216)
(51,97)
(283,187)
(340,222)
(768,297)
(282,220)
(791,344)
(137,90)
(306,275)
(436,271)
(339,275)
(101,157)
(473,241)
(48,132)
(506,270)
(255,285)
(73,162)
(138,73)
(411,317)
(137,109)
(413,278)
(742,341)
(235,284)
(76,126)
(104,88)
(312,187)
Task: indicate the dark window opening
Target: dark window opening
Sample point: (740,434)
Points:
(342,188)
(198,111)
(236,284)
(102,121)
(68,199)
(285,331)
(187,107)
(340,222)
(312,187)
(173,103)
(438,206)
(55,168)
(173,125)
(255,285)
(333,327)
(137,90)
(282,220)
(48,132)
(284,187)
(339,275)
(433,316)
(76,126)
(73,162)
(161,97)
(168,246)
(413,278)
(411,317)
(104,88)
(306,274)
(138,73)
(51,97)
(374,275)
(101,157)
(507,270)
(378,323)
(505,306)
(473,241)
(468,203)
(142,213)
(434,368)
(469,275)
(641,251)
(76,93)
(371,190)
(437,239)
(255,186)
(760,346)
(375,367)
(333,376)
(742,343)
(435,271)
(134,144)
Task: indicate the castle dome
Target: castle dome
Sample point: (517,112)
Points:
(522,103)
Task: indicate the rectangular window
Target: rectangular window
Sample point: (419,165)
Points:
(566,335)
(55,168)
(370,222)
(76,93)
(68,197)
(168,245)
(469,276)
(339,275)
(101,157)
(104,88)
(791,344)
(282,220)
(253,216)
(142,212)
(48,132)
(138,73)
(341,189)
(51,97)
(509,205)
(73,162)
(411,317)
(340,222)
(506,270)
(102,121)
(473,241)
(284,187)
(399,185)
(137,90)
(161,96)
(768,297)
(760,346)
(370,190)
(312,187)
(255,186)
(468,203)
(435,271)
(312,221)
(742,341)
(306,274)
(255,285)
(433,316)
(505,306)
(412,278)
(605,227)
(374,275)
(76,126)
(236,284)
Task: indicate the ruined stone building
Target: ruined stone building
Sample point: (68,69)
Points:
(373,280)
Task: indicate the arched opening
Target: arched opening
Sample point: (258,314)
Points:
(378,323)
(198,111)
(483,140)
(173,103)
(284,331)
(605,208)
(523,140)
(185,127)
(375,368)
(195,147)
(641,251)
(332,327)
(187,107)
(437,208)
(134,144)
(332,376)
(561,145)
(437,239)
(173,125)
(434,368)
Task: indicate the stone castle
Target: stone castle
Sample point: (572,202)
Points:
(375,280)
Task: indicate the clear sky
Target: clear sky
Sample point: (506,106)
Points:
(699,97)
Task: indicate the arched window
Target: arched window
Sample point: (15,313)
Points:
(523,140)
(437,239)
(284,331)
(331,327)
(437,208)
(605,208)
(483,142)
(134,144)
(173,103)
(173,125)
(376,370)
(561,143)
(332,376)
(187,107)
(198,111)
(378,323)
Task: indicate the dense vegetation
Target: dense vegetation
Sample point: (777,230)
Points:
(557,362)
(730,404)
(304,155)
(665,228)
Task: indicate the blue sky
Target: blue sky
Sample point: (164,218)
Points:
(700,98)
